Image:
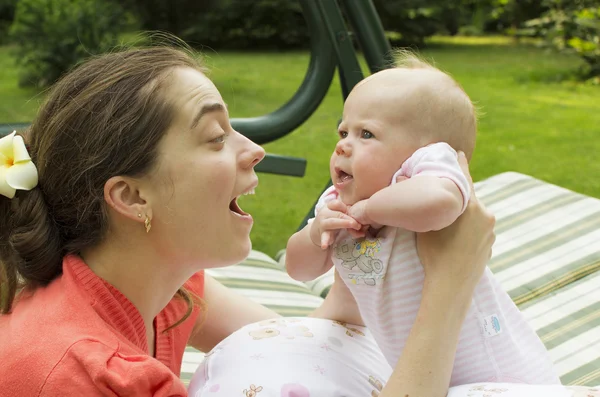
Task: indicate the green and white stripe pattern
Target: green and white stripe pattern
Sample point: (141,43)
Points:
(546,255)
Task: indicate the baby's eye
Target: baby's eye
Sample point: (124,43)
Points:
(343,134)
(366,134)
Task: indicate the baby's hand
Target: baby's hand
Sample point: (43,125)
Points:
(358,211)
(329,221)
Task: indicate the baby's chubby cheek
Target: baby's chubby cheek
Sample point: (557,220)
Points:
(372,185)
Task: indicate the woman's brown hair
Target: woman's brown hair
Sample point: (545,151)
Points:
(104,118)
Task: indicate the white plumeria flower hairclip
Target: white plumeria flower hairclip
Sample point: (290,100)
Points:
(17,171)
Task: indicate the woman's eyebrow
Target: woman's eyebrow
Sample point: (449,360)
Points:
(205,109)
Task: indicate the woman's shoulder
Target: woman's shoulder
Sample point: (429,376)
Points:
(41,333)
(43,327)
(195,284)
(93,368)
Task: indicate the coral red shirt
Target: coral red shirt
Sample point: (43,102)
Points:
(81,336)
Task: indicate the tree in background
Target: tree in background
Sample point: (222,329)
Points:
(412,20)
(507,16)
(7,14)
(574,26)
(173,16)
(226,24)
(54,35)
(415,20)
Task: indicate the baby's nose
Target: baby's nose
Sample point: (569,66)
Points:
(343,148)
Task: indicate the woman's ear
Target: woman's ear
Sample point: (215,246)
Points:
(122,194)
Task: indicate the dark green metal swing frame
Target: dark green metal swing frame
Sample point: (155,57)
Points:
(332,46)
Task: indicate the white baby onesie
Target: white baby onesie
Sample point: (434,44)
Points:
(385,276)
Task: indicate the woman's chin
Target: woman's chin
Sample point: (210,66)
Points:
(227,256)
(238,253)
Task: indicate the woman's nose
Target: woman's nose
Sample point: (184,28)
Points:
(253,154)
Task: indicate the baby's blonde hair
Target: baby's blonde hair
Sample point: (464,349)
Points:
(455,115)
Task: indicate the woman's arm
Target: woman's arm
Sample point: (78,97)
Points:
(453,260)
(425,366)
(224,312)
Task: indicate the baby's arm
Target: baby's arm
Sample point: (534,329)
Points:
(308,251)
(339,305)
(420,204)
(432,194)
(304,260)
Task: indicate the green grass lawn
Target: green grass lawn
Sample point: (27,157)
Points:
(531,122)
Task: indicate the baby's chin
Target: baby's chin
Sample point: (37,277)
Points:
(348,199)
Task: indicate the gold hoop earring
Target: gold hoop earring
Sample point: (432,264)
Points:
(147,224)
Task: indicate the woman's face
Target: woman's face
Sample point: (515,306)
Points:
(203,167)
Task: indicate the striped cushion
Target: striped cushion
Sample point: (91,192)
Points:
(546,256)
(546,236)
(568,321)
(261,279)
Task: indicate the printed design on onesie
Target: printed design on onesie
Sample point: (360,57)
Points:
(288,329)
(252,391)
(377,384)
(294,390)
(350,331)
(360,258)
(482,391)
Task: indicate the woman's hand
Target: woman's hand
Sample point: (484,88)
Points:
(453,260)
(458,254)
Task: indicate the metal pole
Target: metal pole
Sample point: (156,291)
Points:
(370,34)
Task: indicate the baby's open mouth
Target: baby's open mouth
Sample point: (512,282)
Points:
(342,176)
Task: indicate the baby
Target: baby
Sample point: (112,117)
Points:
(395,172)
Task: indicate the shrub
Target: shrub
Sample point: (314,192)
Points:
(54,35)
(470,30)
(239,24)
(7,14)
(572,26)
(255,24)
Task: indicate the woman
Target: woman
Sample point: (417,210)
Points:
(102,261)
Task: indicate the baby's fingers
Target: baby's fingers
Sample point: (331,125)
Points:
(326,240)
(357,233)
(344,222)
(337,205)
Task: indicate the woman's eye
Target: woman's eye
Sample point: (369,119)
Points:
(219,139)
(366,134)
(343,134)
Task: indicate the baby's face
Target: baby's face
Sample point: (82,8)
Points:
(373,142)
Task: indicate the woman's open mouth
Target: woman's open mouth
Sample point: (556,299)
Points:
(235,207)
